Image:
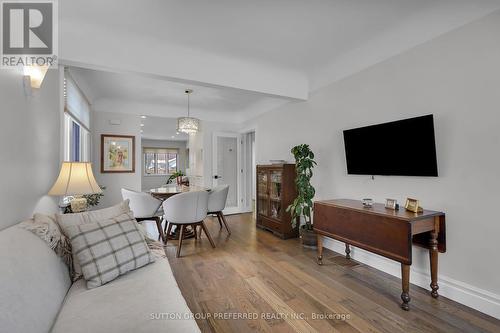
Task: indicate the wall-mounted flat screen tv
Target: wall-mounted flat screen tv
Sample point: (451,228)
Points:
(399,148)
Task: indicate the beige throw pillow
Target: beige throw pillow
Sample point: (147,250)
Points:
(109,248)
(66,221)
(46,227)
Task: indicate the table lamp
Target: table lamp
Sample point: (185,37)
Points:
(76,179)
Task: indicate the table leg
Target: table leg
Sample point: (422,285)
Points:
(320,249)
(174,234)
(433,256)
(347,251)
(405,279)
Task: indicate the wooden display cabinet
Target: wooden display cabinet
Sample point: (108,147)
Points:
(276,190)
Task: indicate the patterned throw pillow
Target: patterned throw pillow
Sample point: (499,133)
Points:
(109,248)
(66,221)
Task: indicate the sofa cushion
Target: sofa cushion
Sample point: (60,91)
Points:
(128,304)
(109,248)
(33,282)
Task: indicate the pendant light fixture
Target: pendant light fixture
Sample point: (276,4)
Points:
(188,124)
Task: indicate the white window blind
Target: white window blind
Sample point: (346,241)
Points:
(161,150)
(75,102)
(77,140)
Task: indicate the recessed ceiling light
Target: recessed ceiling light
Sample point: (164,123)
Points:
(142,125)
(143,117)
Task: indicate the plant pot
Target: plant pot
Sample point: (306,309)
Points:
(308,237)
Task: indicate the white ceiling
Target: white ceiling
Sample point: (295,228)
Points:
(137,94)
(159,128)
(272,51)
(292,33)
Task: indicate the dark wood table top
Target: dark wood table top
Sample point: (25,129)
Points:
(379,209)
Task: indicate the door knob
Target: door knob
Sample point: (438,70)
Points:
(216,177)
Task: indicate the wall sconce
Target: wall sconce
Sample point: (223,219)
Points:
(35,75)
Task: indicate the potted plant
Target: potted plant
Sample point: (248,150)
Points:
(176,175)
(302,206)
(92,200)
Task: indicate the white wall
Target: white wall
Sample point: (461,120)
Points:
(29,146)
(130,125)
(154,181)
(457,78)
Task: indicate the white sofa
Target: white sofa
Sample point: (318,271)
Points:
(36,294)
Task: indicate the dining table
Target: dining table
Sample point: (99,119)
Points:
(165,192)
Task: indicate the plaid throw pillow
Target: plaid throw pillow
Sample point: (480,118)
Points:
(109,248)
(66,221)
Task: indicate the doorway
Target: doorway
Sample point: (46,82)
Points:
(226,168)
(234,164)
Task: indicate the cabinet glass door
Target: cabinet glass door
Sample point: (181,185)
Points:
(275,194)
(262,193)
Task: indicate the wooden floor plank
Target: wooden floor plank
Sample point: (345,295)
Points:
(281,308)
(254,272)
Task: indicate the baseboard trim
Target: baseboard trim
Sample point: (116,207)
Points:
(461,292)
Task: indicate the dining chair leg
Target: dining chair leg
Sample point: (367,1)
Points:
(207,233)
(195,231)
(181,236)
(168,230)
(161,234)
(218,218)
(225,222)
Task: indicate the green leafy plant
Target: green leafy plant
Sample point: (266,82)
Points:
(92,200)
(303,204)
(175,175)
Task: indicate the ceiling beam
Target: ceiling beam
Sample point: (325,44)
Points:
(100,47)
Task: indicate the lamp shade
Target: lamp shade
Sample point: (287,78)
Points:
(75,178)
(36,74)
(188,125)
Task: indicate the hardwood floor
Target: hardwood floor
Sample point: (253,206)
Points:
(263,283)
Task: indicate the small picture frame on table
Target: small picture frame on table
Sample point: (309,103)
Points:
(391,204)
(413,205)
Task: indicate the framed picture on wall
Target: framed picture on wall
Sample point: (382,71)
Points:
(117,153)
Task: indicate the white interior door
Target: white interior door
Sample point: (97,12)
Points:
(226,168)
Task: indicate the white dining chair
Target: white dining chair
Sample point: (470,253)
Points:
(187,209)
(145,208)
(217,198)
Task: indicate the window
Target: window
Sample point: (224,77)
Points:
(76,122)
(160,161)
(76,141)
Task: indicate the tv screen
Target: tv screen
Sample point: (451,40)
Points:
(399,148)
